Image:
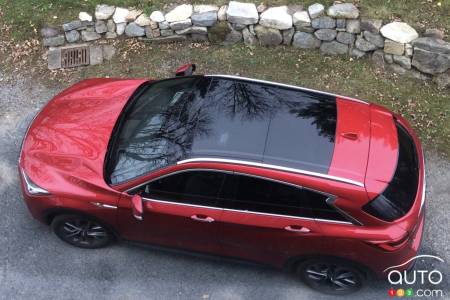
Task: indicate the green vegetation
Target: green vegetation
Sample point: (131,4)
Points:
(27,16)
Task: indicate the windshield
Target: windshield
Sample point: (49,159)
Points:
(155,128)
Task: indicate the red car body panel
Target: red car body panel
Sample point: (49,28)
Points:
(64,151)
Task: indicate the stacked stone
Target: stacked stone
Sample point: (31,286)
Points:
(333,31)
(337,30)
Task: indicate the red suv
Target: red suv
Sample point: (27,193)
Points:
(324,185)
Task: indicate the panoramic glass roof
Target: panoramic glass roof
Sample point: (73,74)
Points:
(201,116)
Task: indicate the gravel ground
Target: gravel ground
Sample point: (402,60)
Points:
(35,264)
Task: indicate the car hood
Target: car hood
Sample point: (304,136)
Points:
(69,137)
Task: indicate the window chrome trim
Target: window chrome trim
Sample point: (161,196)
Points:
(236,210)
(269,166)
(285,85)
(245,211)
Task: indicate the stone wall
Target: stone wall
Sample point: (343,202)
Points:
(336,30)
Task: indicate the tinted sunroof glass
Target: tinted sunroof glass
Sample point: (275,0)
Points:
(302,131)
(240,115)
(268,123)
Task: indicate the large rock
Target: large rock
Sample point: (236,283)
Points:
(372,25)
(325,34)
(301,18)
(277,18)
(133,15)
(222,13)
(305,40)
(111,25)
(157,16)
(378,59)
(73,25)
(202,8)
(242,13)
(84,16)
(323,22)
(232,37)
(134,30)
(144,20)
(288,35)
(120,28)
(399,32)
(374,38)
(49,31)
(88,36)
(364,45)
(120,15)
(391,47)
(345,38)
(164,25)
(95,55)
(430,62)
(166,32)
(333,48)
(179,13)
(343,11)
(54,41)
(54,58)
(403,61)
(268,36)
(207,18)
(100,26)
(72,36)
(180,25)
(104,12)
(353,26)
(250,39)
(432,44)
(316,10)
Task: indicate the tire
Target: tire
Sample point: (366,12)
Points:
(81,231)
(331,276)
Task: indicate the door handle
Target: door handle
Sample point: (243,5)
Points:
(202,218)
(296,228)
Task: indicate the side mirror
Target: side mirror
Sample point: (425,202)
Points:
(137,206)
(185,70)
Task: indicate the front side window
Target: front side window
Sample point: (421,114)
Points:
(254,194)
(190,187)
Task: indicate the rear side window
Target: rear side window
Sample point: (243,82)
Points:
(398,198)
(192,187)
(261,195)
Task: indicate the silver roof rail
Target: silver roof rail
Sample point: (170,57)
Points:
(269,166)
(287,86)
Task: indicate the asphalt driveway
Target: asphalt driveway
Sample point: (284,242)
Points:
(34,264)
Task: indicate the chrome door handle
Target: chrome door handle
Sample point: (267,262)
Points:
(201,218)
(296,228)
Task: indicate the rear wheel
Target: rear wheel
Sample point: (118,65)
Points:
(331,276)
(81,231)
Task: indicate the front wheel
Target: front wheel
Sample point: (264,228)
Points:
(81,231)
(331,276)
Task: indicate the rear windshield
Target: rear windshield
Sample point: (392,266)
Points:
(398,198)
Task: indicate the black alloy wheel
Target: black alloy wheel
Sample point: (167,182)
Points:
(81,231)
(331,276)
